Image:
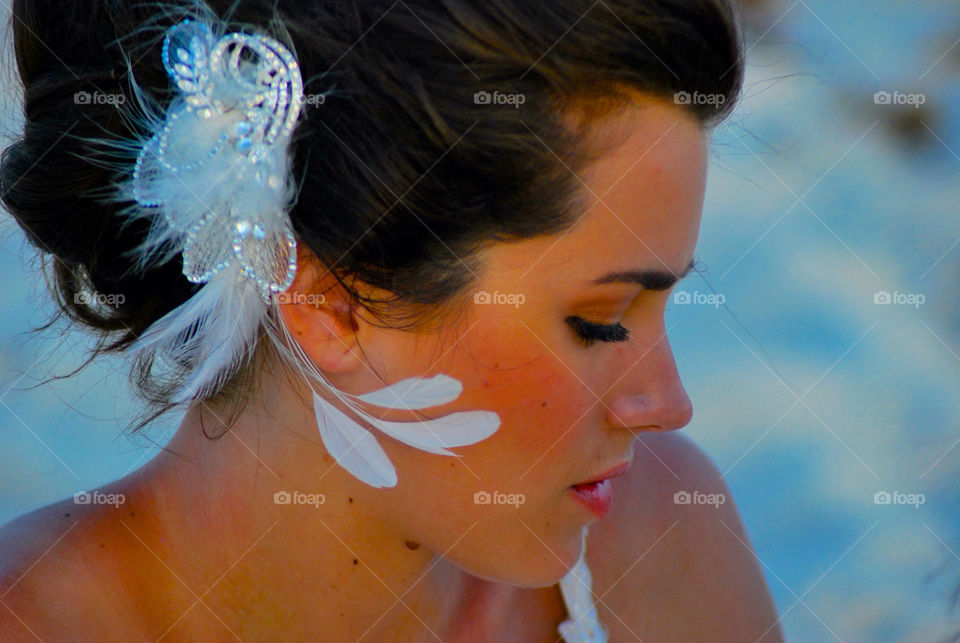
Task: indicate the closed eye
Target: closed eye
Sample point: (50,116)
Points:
(589,332)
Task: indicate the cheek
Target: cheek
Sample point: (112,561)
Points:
(543,407)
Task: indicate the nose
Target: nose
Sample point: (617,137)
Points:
(650,396)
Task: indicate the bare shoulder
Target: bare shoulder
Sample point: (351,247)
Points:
(52,580)
(672,561)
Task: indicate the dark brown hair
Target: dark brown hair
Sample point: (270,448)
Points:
(405,169)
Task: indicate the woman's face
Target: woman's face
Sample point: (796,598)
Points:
(568,411)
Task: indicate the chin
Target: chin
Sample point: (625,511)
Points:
(538,561)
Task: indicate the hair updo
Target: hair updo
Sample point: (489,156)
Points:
(405,170)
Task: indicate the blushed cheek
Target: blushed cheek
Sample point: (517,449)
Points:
(544,411)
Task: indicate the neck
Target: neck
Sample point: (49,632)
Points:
(334,571)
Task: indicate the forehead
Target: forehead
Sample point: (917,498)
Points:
(643,196)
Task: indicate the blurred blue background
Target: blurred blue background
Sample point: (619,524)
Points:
(810,394)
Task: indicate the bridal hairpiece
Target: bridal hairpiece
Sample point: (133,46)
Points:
(213,179)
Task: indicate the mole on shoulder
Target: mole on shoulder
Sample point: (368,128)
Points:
(412,545)
(354,561)
(66,515)
(543,405)
(350,499)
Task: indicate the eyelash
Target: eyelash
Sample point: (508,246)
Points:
(588,332)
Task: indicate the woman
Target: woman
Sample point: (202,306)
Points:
(492,202)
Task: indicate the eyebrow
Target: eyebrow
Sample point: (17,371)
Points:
(648,279)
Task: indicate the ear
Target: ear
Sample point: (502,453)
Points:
(317,311)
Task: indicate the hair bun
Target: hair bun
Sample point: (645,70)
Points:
(53,179)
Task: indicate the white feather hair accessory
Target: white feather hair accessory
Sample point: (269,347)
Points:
(214,181)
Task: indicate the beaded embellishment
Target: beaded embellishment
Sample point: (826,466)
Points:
(583,623)
(240,97)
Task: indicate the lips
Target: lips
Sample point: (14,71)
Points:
(597,497)
(596,493)
(616,471)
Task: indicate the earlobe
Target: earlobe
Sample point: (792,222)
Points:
(318,314)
